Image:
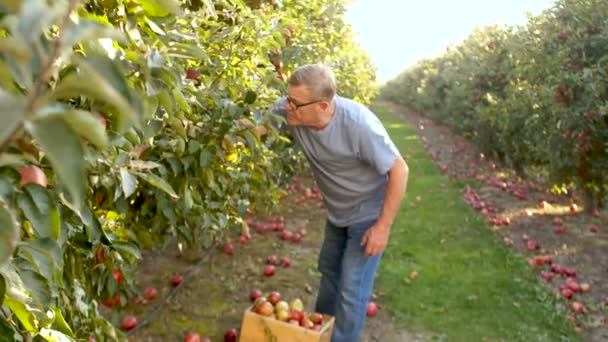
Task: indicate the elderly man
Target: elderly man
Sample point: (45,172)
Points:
(362,177)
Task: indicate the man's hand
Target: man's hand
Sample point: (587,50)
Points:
(375,239)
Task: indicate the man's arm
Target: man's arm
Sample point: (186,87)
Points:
(376,238)
(395,190)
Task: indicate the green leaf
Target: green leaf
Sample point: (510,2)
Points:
(9,235)
(11,114)
(87,125)
(54,335)
(127,250)
(38,286)
(7,334)
(15,288)
(160,8)
(63,149)
(205,158)
(89,30)
(45,256)
(40,210)
(2,289)
(159,183)
(100,79)
(128,181)
(250,97)
(61,324)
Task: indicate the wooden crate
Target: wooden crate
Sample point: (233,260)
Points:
(258,328)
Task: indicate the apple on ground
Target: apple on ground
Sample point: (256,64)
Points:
(269,270)
(192,337)
(372,309)
(285,262)
(230,335)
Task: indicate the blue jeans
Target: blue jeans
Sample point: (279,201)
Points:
(347,279)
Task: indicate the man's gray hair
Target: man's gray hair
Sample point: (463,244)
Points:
(318,78)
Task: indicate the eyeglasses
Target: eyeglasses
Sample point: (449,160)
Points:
(297,106)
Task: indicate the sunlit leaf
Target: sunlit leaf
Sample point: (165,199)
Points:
(159,183)
(128,181)
(63,149)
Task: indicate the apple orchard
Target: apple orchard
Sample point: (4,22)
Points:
(533,97)
(126,124)
(122,127)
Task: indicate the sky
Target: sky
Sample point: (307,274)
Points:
(397,33)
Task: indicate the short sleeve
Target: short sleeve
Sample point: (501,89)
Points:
(376,147)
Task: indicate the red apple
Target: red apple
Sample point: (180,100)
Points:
(269,270)
(274,297)
(296,238)
(228,248)
(593,229)
(286,235)
(117,275)
(316,317)
(265,309)
(32,174)
(567,293)
(192,337)
(129,322)
(255,294)
(230,335)
(285,262)
(243,239)
(192,74)
(532,245)
(546,275)
(150,293)
(297,315)
(177,280)
(585,287)
(578,307)
(272,260)
(372,309)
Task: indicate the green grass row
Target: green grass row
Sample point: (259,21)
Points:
(470,286)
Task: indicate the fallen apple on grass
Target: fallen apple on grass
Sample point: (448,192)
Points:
(269,270)
(230,335)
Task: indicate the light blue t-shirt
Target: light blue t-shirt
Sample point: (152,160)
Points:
(350,158)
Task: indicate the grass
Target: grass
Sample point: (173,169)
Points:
(469,286)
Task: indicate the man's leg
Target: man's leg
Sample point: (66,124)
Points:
(356,284)
(330,265)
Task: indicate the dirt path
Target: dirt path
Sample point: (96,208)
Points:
(213,297)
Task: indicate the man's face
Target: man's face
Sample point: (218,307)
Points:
(301,108)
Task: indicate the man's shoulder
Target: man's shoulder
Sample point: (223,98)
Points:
(354,111)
